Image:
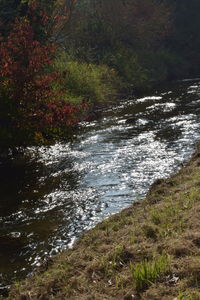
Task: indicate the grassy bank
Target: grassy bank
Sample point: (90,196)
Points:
(148,251)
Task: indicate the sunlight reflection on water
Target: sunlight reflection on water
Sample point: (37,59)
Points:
(69,187)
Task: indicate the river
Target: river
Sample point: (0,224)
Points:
(50,195)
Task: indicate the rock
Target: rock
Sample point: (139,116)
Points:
(130,121)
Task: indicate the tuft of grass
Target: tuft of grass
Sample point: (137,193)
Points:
(147,272)
(119,282)
(188,295)
(169,217)
(150,231)
(114,260)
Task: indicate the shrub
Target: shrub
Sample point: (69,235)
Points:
(85,81)
(31,106)
(127,63)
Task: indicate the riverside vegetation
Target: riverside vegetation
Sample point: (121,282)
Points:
(60,59)
(148,251)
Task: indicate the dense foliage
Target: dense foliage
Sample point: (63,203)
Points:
(100,46)
(32,108)
(145,41)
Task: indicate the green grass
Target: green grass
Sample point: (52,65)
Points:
(189,295)
(86,81)
(148,272)
(113,261)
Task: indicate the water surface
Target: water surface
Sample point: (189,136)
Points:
(52,194)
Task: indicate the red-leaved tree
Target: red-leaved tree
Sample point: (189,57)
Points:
(30,103)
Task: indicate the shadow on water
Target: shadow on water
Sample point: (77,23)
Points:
(50,195)
(25,226)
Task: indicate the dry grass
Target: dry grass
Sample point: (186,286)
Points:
(122,258)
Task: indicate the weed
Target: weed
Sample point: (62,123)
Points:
(155,217)
(189,295)
(115,260)
(119,282)
(150,231)
(147,272)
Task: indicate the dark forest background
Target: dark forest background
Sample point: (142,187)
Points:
(60,59)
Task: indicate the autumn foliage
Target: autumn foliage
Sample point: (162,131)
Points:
(29,100)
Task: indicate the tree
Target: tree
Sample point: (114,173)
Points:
(30,104)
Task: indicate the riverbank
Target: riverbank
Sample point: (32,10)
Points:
(148,251)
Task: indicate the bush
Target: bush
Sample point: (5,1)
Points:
(32,108)
(127,63)
(84,81)
(162,65)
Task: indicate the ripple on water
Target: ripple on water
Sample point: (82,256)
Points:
(149,98)
(69,187)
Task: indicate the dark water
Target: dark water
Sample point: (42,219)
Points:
(52,194)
